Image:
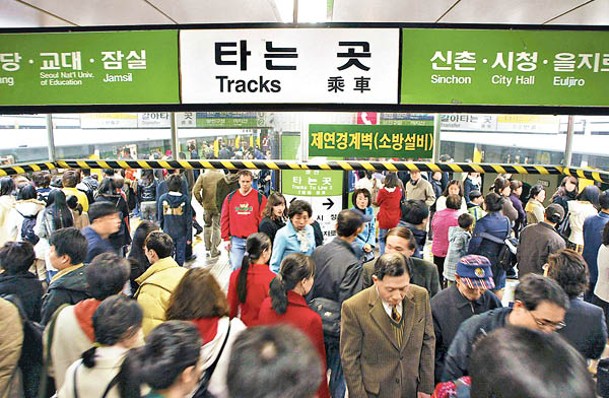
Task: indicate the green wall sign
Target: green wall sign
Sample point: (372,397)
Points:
(505,67)
(82,68)
(361,141)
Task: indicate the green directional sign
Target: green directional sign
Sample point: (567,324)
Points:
(89,68)
(505,67)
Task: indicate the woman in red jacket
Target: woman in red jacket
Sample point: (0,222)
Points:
(287,304)
(249,285)
(388,200)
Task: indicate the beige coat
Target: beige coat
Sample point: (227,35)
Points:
(11,340)
(422,191)
(372,362)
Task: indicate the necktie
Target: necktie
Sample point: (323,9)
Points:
(395,314)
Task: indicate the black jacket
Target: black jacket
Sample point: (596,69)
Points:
(270,227)
(586,329)
(70,288)
(338,271)
(29,290)
(450,309)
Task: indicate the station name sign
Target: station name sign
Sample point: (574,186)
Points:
(307,65)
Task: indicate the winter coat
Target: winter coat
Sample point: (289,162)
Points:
(11,341)
(7,230)
(69,288)
(388,200)
(578,212)
(270,227)
(442,221)
(500,227)
(458,242)
(156,286)
(29,290)
(534,211)
(175,215)
(205,189)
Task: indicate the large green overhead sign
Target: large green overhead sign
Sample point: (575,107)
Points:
(363,141)
(505,67)
(82,68)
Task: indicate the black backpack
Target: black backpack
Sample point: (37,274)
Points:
(27,229)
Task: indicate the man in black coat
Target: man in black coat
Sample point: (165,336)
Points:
(585,328)
(468,297)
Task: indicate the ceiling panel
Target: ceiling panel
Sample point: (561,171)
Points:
(214,11)
(508,12)
(595,13)
(17,15)
(103,12)
(390,10)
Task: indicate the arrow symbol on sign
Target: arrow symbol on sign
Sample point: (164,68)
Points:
(329,203)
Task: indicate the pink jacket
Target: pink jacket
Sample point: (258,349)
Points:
(442,221)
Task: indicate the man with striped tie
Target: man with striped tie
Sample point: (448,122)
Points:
(387,339)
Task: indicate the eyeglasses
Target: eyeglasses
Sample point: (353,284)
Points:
(544,323)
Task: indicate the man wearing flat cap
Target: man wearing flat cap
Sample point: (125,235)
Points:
(470,295)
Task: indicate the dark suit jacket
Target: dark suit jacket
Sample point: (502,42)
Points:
(586,329)
(373,364)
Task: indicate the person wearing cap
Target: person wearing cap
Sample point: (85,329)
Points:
(469,296)
(539,304)
(387,339)
(337,278)
(539,240)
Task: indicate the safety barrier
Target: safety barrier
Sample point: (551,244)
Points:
(600,176)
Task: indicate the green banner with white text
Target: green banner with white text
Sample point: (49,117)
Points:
(362,141)
(505,67)
(82,68)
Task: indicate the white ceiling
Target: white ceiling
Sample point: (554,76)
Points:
(47,13)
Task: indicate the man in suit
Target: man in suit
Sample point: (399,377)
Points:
(387,340)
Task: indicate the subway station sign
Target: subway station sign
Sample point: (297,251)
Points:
(362,141)
(83,68)
(289,66)
(505,67)
(359,65)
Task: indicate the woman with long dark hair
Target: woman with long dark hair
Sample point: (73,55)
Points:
(275,215)
(199,299)
(169,363)
(287,304)
(117,324)
(249,285)
(55,216)
(567,191)
(388,200)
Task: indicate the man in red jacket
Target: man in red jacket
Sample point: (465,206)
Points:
(241,215)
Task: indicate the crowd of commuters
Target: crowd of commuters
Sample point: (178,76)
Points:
(371,312)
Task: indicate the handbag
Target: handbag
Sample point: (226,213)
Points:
(329,311)
(201,391)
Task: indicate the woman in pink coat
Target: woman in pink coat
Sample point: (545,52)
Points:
(440,224)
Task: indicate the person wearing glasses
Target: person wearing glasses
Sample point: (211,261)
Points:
(586,329)
(539,304)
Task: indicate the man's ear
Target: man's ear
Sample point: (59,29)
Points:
(375,278)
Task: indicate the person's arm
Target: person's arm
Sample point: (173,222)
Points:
(198,188)
(51,302)
(457,357)
(538,211)
(600,338)
(225,220)
(430,195)
(188,215)
(434,283)
(278,249)
(476,240)
(11,341)
(232,296)
(440,352)
(351,282)
(426,364)
(159,212)
(351,341)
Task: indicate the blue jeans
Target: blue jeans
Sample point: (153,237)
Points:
(382,238)
(237,249)
(337,379)
(180,249)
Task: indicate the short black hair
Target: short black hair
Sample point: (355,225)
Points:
(494,202)
(70,242)
(117,317)
(569,269)
(70,178)
(474,194)
(160,242)
(465,220)
(41,179)
(536,190)
(533,289)
(17,257)
(348,222)
(106,275)
(391,264)
(453,202)
(404,233)
(414,211)
(27,191)
(273,362)
(299,207)
(101,209)
(603,200)
(532,363)
(174,183)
